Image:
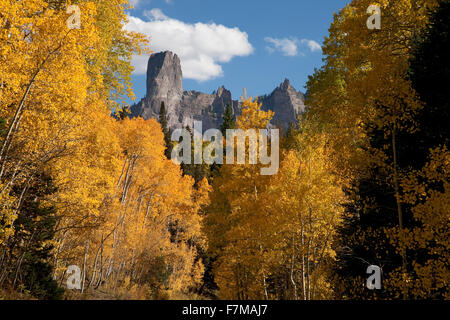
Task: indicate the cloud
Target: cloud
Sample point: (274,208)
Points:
(312,45)
(286,46)
(202,47)
(290,46)
(136,3)
(155,15)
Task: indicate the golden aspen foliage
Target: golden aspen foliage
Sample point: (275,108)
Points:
(363,93)
(304,201)
(124,213)
(234,224)
(364,77)
(428,191)
(148,224)
(272,235)
(44,87)
(7,215)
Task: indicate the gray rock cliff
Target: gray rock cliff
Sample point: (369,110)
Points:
(165,83)
(286,102)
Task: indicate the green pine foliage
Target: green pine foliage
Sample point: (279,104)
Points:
(166,130)
(229,122)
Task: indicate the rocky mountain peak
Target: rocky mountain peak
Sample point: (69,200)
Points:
(164,75)
(285,85)
(165,83)
(286,102)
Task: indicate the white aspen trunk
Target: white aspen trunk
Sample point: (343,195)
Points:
(303,263)
(292,267)
(121,174)
(58,251)
(397,198)
(83,279)
(16,128)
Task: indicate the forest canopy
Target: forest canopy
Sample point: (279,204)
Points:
(363,173)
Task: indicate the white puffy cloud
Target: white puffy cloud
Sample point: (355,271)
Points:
(290,46)
(202,47)
(312,45)
(155,14)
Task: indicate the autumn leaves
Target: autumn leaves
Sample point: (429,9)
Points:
(79,187)
(271,236)
(212,152)
(368,100)
(352,189)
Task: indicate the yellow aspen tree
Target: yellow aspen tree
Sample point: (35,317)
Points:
(235,224)
(304,202)
(368,69)
(428,191)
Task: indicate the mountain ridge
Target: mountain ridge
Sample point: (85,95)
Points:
(165,83)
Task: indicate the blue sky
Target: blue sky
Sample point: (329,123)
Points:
(254,44)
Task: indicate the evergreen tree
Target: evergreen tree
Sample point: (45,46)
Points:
(372,206)
(163,118)
(361,242)
(122,113)
(28,262)
(197,171)
(430,74)
(2,128)
(229,122)
(166,130)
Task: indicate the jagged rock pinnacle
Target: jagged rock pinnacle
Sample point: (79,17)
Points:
(165,83)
